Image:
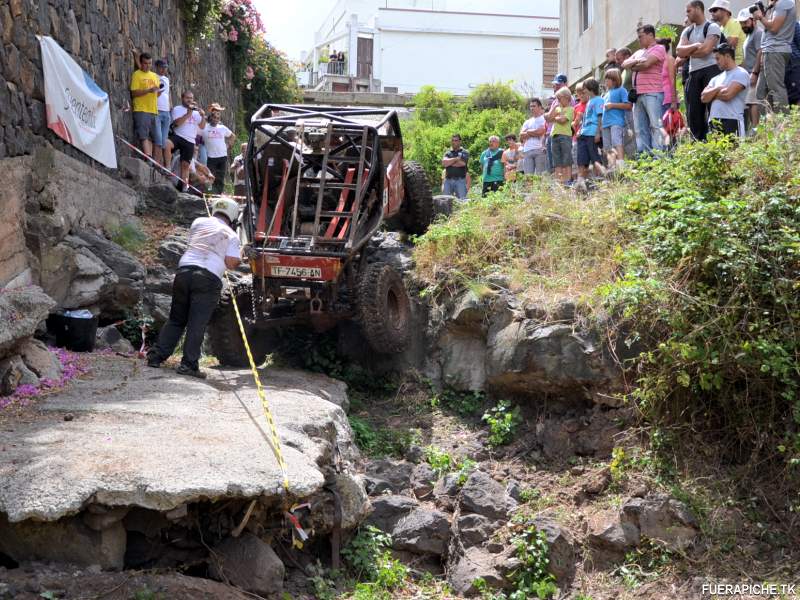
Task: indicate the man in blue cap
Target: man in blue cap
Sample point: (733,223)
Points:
(559,82)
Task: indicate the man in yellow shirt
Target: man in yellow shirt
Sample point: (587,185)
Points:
(145,85)
(721,15)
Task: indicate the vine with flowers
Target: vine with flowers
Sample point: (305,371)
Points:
(262,71)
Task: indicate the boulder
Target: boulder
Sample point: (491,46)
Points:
(482,495)
(388,510)
(422,480)
(129,271)
(422,531)
(662,519)
(171,250)
(98,517)
(561,552)
(388,247)
(388,475)
(475,563)
(14,373)
(355,504)
(597,482)
(443,205)
(68,540)
(248,563)
(109,338)
(473,530)
(40,360)
(161,198)
(159,279)
(157,306)
(21,311)
(445,491)
(525,355)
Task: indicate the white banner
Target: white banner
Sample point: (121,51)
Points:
(78,111)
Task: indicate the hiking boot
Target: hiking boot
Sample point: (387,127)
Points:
(152,361)
(188,371)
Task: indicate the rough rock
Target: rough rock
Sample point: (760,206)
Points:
(445,491)
(482,495)
(443,205)
(514,489)
(663,519)
(109,338)
(612,536)
(475,563)
(248,563)
(473,530)
(354,501)
(422,531)
(388,510)
(157,306)
(14,258)
(51,467)
(14,373)
(422,480)
(492,343)
(21,311)
(388,247)
(171,250)
(101,517)
(129,271)
(180,208)
(159,279)
(40,360)
(590,435)
(562,551)
(388,475)
(597,482)
(64,541)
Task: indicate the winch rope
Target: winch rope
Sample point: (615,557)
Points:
(262,396)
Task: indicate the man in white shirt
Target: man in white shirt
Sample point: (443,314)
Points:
(213,247)
(164,117)
(186,120)
(532,136)
(727,93)
(217,139)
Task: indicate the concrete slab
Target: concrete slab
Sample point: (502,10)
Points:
(151,438)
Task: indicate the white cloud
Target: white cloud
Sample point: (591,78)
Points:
(290,24)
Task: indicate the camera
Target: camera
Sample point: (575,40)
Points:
(758,6)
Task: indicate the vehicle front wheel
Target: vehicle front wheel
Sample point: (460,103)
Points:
(224,336)
(384,309)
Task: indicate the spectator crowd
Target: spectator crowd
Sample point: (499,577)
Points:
(185,139)
(733,70)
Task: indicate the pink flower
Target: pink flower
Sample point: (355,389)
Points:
(233,35)
(249,73)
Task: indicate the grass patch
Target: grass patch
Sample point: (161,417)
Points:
(131,237)
(548,242)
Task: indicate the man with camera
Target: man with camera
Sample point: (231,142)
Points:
(778,18)
(186,120)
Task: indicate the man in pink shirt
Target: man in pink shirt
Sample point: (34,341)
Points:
(647,65)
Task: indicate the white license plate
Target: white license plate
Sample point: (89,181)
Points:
(299,272)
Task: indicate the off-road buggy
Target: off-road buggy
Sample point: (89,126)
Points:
(321,181)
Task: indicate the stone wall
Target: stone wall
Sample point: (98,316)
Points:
(13,254)
(103,36)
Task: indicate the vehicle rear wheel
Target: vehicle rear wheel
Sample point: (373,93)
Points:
(418,200)
(384,309)
(223,332)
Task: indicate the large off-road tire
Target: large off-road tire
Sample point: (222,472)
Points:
(384,309)
(418,200)
(224,337)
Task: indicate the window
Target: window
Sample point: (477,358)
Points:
(550,59)
(587,14)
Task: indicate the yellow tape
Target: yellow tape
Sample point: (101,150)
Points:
(276,443)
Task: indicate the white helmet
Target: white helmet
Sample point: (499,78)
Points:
(227,207)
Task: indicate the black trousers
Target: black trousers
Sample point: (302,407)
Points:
(725,126)
(697,116)
(218,168)
(491,186)
(195,295)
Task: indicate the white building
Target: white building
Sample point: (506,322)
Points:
(590,27)
(401,45)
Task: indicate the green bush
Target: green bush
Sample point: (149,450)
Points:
(496,95)
(711,288)
(503,421)
(436,118)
